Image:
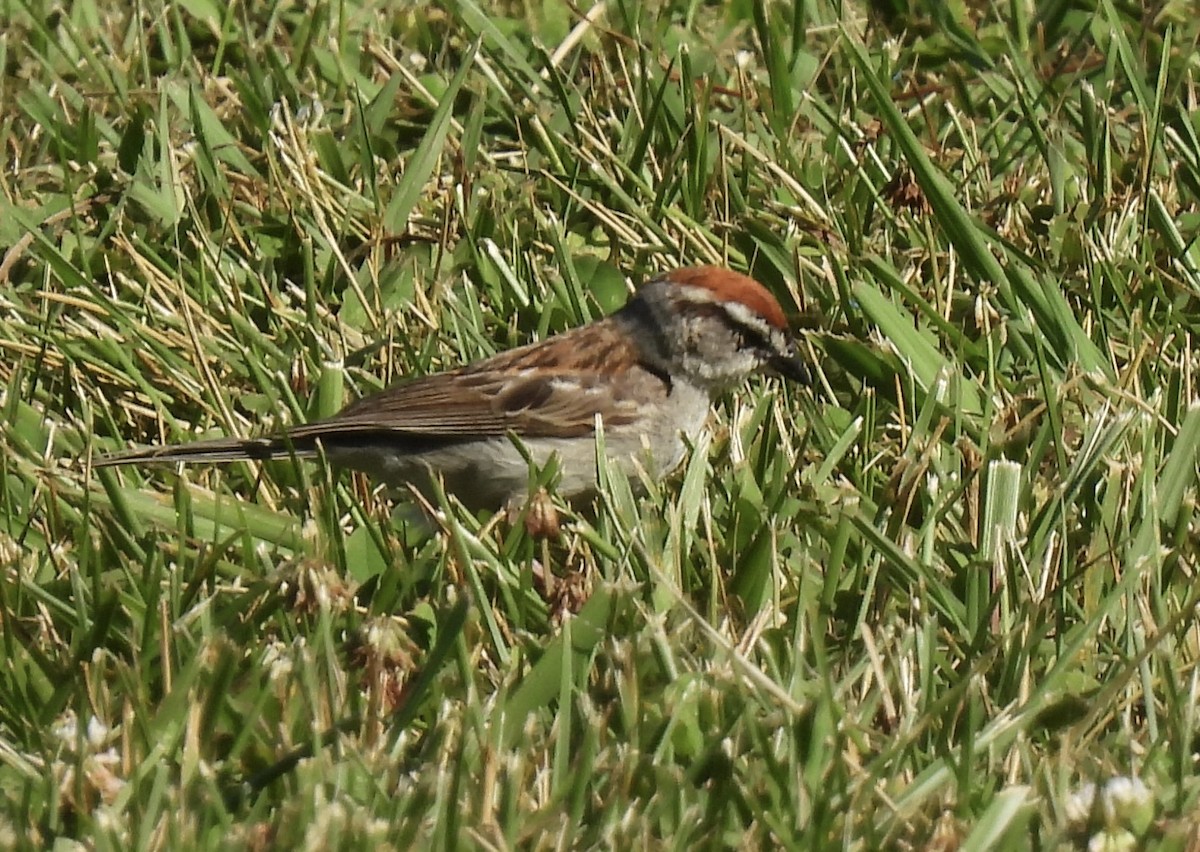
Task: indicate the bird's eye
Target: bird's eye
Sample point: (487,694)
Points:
(750,338)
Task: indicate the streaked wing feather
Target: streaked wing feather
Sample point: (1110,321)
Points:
(530,405)
(524,391)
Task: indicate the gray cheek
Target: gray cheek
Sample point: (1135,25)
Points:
(711,342)
(713,356)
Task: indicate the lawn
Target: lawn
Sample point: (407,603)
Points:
(943,597)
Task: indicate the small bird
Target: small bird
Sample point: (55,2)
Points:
(648,372)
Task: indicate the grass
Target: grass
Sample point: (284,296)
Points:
(944,597)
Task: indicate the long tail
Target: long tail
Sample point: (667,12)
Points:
(212,451)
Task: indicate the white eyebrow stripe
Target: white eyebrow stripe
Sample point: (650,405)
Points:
(744,315)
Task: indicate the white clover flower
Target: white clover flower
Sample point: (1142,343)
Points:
(97,732)
(1118,841)
(1125,805)
(1124,797)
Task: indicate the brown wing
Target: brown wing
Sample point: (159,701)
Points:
(523,391)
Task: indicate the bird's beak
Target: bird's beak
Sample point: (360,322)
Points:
(790,366)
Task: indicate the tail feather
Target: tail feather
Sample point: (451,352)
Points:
(213,451)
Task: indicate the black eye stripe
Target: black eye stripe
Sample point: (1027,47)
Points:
(754,336)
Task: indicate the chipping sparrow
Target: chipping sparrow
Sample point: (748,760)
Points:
(648,371)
